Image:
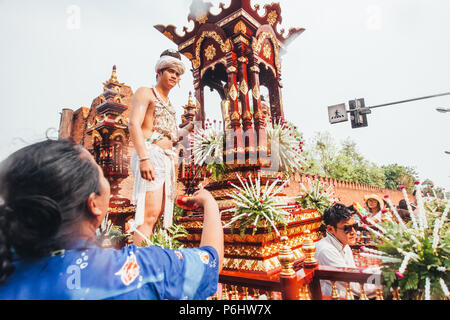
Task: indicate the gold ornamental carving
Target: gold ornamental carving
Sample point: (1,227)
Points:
(210,52)
(168,35)
(241,39)
(256,93)
(247,115)
(188,55)
(202,19)
(258,114)
(225,45)
(233,93)
(309,248)
(235,116)
(272,17)
(257,46)
(244,87)
(267,51)
(231,69)
(243,60)
(286,258)
(240,27)
(255,69)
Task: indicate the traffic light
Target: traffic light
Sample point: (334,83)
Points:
(358,113)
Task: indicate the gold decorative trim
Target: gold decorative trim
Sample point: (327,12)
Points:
(235,116)
(243,60)
(213,65)
(239,13)
(241,39)
(267,51)
(244,87)
(186,44)
(188,55)
(272,17)
(225,46)
(255,69)
(202,19)
(257,46)
(256,94)
(168,35)
(247,115)
(268,66)
(210,52)
(231,69)
(240,27)
(233,93)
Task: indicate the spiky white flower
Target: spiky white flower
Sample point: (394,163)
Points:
(253,204)
(286,146)
(444,287)
(207,144)
(410,210)
(427,288)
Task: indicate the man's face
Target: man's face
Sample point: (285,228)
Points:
(344,232)
(169,78)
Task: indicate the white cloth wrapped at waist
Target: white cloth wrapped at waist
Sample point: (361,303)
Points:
(163,161)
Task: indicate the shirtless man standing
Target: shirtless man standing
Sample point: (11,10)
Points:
(154,133)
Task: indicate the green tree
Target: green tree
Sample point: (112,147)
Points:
(397,175)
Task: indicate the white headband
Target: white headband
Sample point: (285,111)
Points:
(170,62)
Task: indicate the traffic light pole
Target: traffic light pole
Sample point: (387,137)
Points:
(404,101)
(358,111)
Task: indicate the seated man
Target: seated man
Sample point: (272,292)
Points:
(334,250)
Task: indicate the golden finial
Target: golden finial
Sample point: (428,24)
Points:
(396,294)
(334,292)
(225,295)
(363,295)
(307,293)
(234,295)
(348,292)
(245,293)
(114,75)
(286,258)
(379,294)
(309,248)
(256,294)
(304,292)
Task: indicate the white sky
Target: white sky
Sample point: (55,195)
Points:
(56,54)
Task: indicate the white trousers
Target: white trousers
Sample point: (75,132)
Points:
(163,161)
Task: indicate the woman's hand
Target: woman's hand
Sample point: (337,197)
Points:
(147,170)
(200,199)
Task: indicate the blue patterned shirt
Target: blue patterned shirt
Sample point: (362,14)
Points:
(88,272)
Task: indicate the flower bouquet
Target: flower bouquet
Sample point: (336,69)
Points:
(287,146)
(207,148)
(255,205)
(316,195)
(414,255)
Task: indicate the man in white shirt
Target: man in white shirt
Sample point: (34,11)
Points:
(334,250)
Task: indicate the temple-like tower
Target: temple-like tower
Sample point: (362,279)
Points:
(110,135)
(235,52)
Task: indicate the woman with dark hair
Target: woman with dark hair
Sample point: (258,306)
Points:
(374,205)
(54,197)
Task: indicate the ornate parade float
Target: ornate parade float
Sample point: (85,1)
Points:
(252,155)
(248,159)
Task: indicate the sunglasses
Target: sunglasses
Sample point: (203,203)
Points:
(349,227)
